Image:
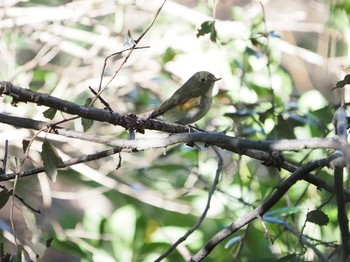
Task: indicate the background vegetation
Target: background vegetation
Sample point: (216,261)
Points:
(278,63)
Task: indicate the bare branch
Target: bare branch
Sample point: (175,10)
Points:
(340,123)
(127,121)
(71,162)
(237,145)
(230,143)
(342,213)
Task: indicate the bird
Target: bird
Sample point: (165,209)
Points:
(190,102)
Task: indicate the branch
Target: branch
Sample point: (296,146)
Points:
(263,208)
(340,123)
(342,214)
(140,123)
(234,144)
(20,94)
(240,146)
(71,162)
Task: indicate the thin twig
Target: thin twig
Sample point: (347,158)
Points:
(205,211)
(266,34)
(23,201)
(100,90)
(104,102)
(12,222)
(149,27)
(304,241)
(131,49)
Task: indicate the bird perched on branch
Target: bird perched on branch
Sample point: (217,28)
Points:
(190,102)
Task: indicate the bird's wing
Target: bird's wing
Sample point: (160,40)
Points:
(173,101)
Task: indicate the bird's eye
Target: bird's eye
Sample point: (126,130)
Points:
(202,79)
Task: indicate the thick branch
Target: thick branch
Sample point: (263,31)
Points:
(233,144)
(129,121)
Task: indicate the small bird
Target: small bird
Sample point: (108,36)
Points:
(190,102)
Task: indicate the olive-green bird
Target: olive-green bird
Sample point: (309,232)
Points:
(190,102)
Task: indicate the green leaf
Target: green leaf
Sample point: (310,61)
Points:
(290,258)
(25,144)
(286,211)
(343,82)
(317,217)
(287,121)
(233,241)
(88,102)
(122,225)
(4,197)
(169,55)
(343,6)
(51,160)
(50,113)
(93,222)
(87,123)
(208,27)
(213,34)
(30,220)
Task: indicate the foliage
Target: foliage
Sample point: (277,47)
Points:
(133,206)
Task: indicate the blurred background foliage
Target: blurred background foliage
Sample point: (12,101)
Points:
(278,62)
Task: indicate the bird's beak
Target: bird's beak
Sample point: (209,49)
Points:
(217,79)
